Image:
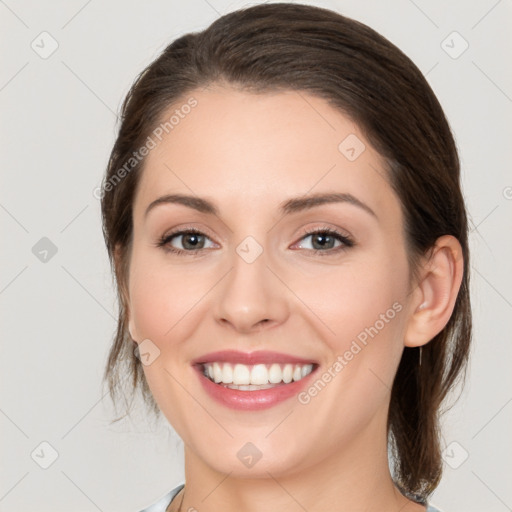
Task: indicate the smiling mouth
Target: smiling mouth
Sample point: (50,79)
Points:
(255,377)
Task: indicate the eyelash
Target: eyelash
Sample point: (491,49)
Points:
(347,242)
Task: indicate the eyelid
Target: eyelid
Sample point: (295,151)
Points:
(190,228)
(323,228)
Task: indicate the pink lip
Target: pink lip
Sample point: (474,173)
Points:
(250,358)
(251,400)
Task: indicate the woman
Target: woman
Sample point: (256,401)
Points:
(283,214)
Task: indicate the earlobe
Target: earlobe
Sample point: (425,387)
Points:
(131,330)
(434,299)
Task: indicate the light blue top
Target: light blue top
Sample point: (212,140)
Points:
(165,501)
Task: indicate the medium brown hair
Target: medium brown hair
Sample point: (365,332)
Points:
(278,47)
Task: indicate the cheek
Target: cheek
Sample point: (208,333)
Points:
(356,296)
(160,296)
(149,301)
(361,306)
(362,311)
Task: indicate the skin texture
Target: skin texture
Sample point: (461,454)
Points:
(247,154)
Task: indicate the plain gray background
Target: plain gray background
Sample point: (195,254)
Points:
(58,119)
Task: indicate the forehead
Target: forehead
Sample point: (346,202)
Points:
(258,149)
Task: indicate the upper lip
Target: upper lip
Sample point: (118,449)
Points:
(250,358)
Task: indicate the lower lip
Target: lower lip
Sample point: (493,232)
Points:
(252,400)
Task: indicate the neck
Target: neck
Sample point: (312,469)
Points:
(352,478)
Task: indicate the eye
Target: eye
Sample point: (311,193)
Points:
(192,241)
(323,241)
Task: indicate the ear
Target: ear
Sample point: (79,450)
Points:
(124,291)
(434,298)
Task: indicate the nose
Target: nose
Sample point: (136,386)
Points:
(251,297)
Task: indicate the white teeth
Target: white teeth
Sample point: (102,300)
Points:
(250,387)
(241,374)
(275,374)
(287,373)
(258,376)
(227,374)
(217,372)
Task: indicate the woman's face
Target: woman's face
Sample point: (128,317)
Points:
(259,282)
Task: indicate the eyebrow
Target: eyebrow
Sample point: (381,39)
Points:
(287,207)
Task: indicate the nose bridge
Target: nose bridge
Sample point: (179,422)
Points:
(251,294)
